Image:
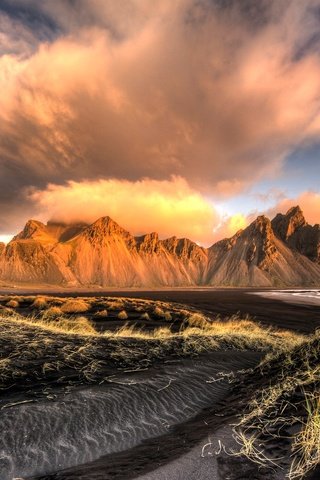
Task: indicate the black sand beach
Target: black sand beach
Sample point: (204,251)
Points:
(288,313)
(164,418)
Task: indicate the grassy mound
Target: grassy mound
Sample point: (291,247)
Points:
(285,412)
(56,347)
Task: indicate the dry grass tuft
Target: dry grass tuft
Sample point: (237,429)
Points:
(74,306)
(101,314)
(52,312)
(278,409)
(122,315)
(115,304)
(306,445)
(158,312)
(12,304)
(79,325)
(197,320)
(40,303)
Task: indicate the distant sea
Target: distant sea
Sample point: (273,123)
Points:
(294,295)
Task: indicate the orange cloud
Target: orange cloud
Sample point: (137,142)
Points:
(169,207)
(162,99)
(215,93)
(309,203)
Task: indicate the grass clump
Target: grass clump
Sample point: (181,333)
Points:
(74,306)
(286,410)
(306,445)
(40,303)
(101,313)
(12,303)
(122,315)
(52,312)
(78,325)
(197,320)
(115,305)
(158,312)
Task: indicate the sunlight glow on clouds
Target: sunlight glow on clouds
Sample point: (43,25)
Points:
(215,94)
(5,238)
(309,203)
(170,207)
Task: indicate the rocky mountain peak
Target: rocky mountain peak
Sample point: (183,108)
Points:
(286,225)
(32,229)
(261,225)
(285,251)
(148,243)
(105,227)
(261,249)
(183,248)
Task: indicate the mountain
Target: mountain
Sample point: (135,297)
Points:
(281,252)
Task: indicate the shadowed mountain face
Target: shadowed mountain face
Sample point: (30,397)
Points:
(281,252)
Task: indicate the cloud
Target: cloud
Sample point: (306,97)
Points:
(169,207)
(216,93)
(309,203)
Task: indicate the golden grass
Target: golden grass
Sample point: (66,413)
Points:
(158,312)
(233,334)
(52,312)
(131,332)
(115,304)
(198,332)
(40,303)
(197,320)
(101,313)
(75,305)
(306,445)
(122,315)
(60,325)
(276,406)
(12,303)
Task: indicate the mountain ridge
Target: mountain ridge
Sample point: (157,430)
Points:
(284,251)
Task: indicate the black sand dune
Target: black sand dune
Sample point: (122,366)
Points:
(134,423)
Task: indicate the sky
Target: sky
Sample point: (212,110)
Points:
(186,117)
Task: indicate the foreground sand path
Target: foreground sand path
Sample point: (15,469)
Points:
(113,420)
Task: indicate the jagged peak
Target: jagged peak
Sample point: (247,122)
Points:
(261,224)
(105,227)
(106,223)
(148,243)
(31,228)
(285,225)
(296,214)
(174,242)
(296,210)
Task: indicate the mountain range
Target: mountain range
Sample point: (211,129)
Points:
(284,251)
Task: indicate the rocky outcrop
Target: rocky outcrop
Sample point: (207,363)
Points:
(293,229)
(284,251)
(286,225)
